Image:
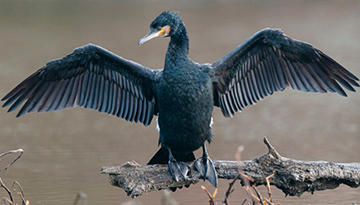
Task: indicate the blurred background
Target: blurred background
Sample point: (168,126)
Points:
(64,150)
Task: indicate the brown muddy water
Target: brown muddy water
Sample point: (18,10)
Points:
(64,150)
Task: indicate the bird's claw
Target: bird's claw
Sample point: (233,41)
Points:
(178,170)
(205,167)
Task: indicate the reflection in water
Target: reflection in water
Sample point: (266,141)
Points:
(64,150)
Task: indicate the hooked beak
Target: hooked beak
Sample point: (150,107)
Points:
(164,31)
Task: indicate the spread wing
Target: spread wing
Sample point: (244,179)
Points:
(90,77)
(270,61)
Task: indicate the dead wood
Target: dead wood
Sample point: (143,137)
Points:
(293,177)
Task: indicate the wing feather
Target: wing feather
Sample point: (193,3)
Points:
(270,61)
(112,100)
(105,95)
(74,93)
(39,92)
(90,77)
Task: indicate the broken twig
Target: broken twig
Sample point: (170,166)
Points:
(293,177)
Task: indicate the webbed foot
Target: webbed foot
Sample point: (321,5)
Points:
(206,168)
(178,170)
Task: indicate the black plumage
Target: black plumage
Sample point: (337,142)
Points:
(184,93)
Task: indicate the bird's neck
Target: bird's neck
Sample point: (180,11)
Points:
(178,46)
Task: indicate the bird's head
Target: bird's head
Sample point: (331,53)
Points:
(164,25)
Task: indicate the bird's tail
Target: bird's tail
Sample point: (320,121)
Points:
(162,157)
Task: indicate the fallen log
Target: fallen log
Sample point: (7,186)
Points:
(293,177)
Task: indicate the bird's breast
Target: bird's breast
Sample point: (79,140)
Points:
(185,106)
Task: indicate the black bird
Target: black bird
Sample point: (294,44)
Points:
(184,93)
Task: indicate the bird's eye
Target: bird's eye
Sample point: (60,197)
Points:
(159,28)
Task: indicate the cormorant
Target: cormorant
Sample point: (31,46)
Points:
(184,93)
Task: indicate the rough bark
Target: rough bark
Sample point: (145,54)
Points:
(293,177)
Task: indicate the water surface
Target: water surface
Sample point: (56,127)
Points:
(64,150)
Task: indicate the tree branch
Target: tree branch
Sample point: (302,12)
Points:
(293,177)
